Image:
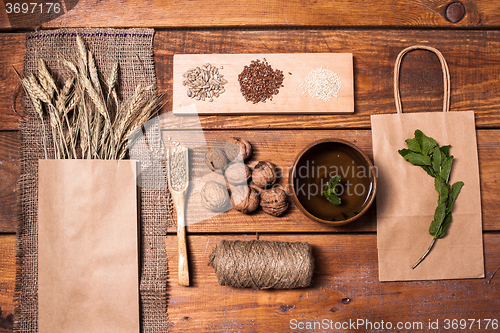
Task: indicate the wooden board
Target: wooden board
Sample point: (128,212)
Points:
(345,287)
(472,57)
(263,13)
(7,281)
(280,147)
(293,97)
(9,175)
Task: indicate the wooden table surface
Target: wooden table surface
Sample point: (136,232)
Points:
(346,287)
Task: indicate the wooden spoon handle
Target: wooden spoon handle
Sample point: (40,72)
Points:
(181,245)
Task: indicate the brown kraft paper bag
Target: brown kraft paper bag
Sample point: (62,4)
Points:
(88,246)
(406,198)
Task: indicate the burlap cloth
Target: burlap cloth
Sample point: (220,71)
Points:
(132,48)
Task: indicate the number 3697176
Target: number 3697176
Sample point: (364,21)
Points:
(33,8)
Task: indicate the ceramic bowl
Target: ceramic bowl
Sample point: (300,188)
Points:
(316,164)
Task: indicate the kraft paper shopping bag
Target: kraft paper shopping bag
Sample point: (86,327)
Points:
(88,246)
(406,198)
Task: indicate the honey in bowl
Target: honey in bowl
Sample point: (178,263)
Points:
(315,167)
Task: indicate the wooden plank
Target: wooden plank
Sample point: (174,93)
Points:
(292,98)
(237,13)
(472,56)
(489,173)
(9,174)
(345,287)
(7,281)
(12,55)
(280,147)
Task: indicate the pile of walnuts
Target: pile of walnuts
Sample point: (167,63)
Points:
(249,188)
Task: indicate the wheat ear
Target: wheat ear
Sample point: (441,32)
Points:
(37,105)
(71,66)
(83,55)
(46,79)
(94,75)
(147,111)
(112,81)
(40,93)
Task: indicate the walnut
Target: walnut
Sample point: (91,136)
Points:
(216,159)
(273,201)
(238,147)
(214,196)
(244,198)
(237,173)
(264,174)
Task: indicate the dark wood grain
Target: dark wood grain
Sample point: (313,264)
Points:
(275,13)
(473,58)
(280,147)
(11,56)
(345,287)
(9,175)
(7,281)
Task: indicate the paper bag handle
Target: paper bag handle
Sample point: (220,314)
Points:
(446,76)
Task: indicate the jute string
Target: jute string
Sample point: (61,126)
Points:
(262,264)
(446,76)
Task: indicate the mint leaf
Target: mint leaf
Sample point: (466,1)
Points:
(445,150)
(426,144)
(455,191)
(403,152)
(442,189)
(332,182)
(419,136)
(418,159)
(429,170)
(330,191)
(333,199)
(439,216)
(414,145)
(446,168)
(444,226)
(436,160)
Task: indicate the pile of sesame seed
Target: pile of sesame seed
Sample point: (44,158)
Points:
(322,84)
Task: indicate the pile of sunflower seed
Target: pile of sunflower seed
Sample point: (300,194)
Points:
(204,83)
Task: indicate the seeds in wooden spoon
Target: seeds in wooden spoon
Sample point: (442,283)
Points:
(177,169)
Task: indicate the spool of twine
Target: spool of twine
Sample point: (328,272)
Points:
(262,264)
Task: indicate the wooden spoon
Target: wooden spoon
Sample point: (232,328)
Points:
(178,183)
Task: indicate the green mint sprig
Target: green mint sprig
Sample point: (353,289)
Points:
(436,161)
(331,193)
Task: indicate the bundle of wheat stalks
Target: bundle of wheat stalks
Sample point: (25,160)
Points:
(86,118)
